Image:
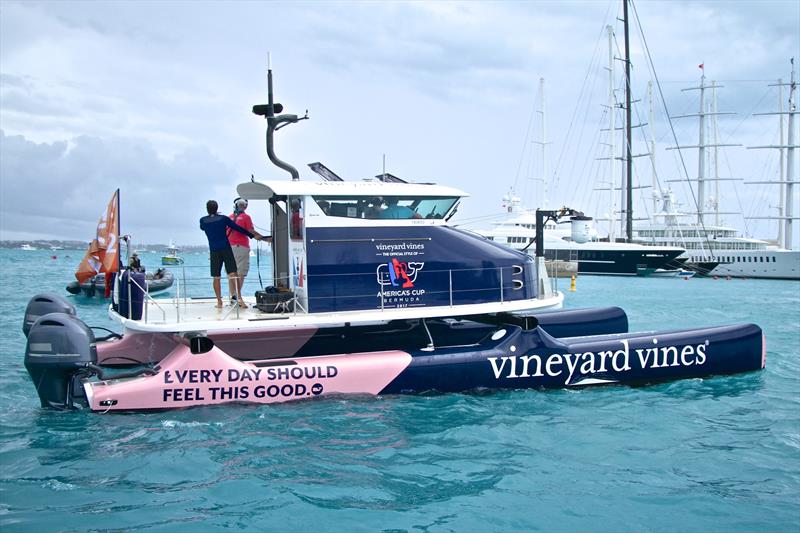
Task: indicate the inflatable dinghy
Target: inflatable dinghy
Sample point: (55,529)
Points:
(159,280)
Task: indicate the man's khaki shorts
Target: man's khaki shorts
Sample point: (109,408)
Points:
(242,256)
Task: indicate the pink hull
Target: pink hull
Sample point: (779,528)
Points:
(185,379)
(147,348)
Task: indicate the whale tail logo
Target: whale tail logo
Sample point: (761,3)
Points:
(398,273)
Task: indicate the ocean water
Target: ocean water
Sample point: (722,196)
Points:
(721,454)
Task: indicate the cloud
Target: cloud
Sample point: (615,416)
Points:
(445,89)
(71,181)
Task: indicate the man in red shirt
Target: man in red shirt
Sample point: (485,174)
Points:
(240,243)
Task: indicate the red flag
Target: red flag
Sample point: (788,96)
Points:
(103,252)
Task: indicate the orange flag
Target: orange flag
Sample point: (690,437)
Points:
(103,252)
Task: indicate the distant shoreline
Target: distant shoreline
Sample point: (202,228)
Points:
(81,245)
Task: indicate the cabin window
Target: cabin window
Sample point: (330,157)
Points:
(386,207)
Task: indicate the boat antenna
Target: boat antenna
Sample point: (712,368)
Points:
(275,123)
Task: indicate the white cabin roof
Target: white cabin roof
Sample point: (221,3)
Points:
(257,190)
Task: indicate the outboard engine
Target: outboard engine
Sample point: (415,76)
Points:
(59,351)
(42,304)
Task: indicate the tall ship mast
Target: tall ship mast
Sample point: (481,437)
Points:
(707,243)
(788,173)
(701,146)
(626,186)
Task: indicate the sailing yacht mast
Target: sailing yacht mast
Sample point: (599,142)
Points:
(715,133)
(782,164)
(628,205)
(542,199)
(701,156)
(656,193)
(612,135)
(791,179)
(786,211)
(702,145)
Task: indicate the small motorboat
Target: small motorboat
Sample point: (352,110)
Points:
(159,280)
(658,273)
(172,257)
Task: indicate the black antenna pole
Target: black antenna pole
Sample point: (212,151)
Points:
(628,157)
(274,123)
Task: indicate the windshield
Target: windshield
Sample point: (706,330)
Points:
(386,207)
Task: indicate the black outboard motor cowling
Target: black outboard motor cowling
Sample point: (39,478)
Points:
(60,346)
(43,303)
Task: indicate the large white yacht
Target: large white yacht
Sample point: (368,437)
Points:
(517,230)
(737,256)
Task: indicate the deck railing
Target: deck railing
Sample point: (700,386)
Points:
(193,283)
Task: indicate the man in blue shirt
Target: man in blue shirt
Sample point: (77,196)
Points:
(216,228)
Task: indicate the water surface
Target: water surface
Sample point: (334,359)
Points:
(721,454)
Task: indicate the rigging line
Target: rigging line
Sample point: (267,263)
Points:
(482,218)
(589,69)
(651,68)
(525,143)
(728,164)
(597,166)
(581,134)
(684,82)
(586,161)
(653,169)
(669,120)
(736,194)
(770,171)
(746,116)
(690,104)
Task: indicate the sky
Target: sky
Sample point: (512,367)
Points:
(155,98)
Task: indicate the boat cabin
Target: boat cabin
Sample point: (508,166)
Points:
(345,246)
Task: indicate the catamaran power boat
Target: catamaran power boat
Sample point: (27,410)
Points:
(373,293)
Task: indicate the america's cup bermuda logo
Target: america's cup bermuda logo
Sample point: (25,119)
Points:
(398,273)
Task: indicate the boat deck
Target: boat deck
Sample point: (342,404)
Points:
(171,315)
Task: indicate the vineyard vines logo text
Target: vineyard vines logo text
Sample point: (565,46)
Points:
(525,366)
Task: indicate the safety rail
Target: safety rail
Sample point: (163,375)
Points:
(457,288)
(146,297)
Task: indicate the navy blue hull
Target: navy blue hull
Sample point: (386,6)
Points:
(411,335)
(615,262)
(534,359)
